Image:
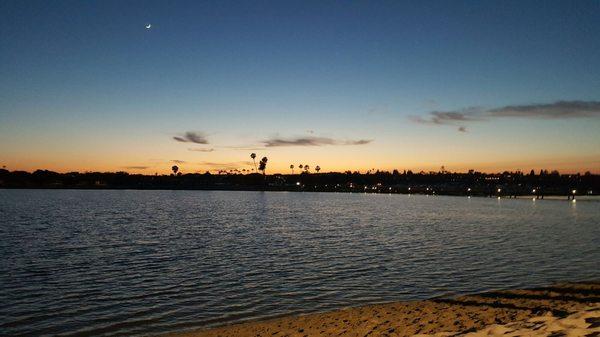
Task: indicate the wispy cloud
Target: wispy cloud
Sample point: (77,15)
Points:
(312,141)
(210,163)
(226,165)
(136,167)
(556,110)
(450,117)
(245,148)
(192,137)
(200,150)
(177,161)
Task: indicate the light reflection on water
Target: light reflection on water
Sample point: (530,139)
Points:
(144,262)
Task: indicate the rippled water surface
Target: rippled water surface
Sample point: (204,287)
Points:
(150,262)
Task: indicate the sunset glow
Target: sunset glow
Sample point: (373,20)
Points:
(345,86)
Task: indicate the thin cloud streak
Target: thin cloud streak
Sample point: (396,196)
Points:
(209,163)
(451,117)
(226,166)
(556,110)
(245,148)
(192,137)
(136,167)
(312,141)
(201,150)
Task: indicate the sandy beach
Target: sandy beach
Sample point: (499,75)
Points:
(570,310)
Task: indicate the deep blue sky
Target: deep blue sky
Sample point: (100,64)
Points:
(86,79)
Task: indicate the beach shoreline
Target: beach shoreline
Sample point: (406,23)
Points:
(565,309)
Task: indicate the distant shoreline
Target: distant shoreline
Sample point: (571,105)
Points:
(534,311)
(503,185)
(247,189)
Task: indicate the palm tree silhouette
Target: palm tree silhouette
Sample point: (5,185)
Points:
(292,167)
(175,169)
(300,167)
(306,168)
(253,156)
(318,168)
(262,166)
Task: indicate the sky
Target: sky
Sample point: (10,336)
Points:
(139,86)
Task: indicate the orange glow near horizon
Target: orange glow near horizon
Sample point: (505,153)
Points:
(278,164)
(491,149)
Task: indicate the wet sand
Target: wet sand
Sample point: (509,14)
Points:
(571,309)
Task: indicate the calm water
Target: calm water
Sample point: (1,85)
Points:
(149,262)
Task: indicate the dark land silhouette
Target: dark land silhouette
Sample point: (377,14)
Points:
(506,184)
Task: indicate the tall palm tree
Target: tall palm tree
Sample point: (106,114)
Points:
(318,168)
(292,167)
(175,168)
(262,166)
(306,168)
(300,167)
(253,156)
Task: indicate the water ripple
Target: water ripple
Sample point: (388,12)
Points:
(123,263)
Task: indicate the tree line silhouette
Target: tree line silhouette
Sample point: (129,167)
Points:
(505,184)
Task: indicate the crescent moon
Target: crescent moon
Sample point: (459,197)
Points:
(148,26)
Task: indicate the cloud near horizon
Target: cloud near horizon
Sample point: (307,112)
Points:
(201,150)
(192,137)
(244,148)
(210,163)
(136,167)
(226,166)
(312,141)
(556,110)
(451,117)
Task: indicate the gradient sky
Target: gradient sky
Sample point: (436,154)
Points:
(341,84)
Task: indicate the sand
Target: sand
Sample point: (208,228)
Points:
(584,322)
(561,310)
